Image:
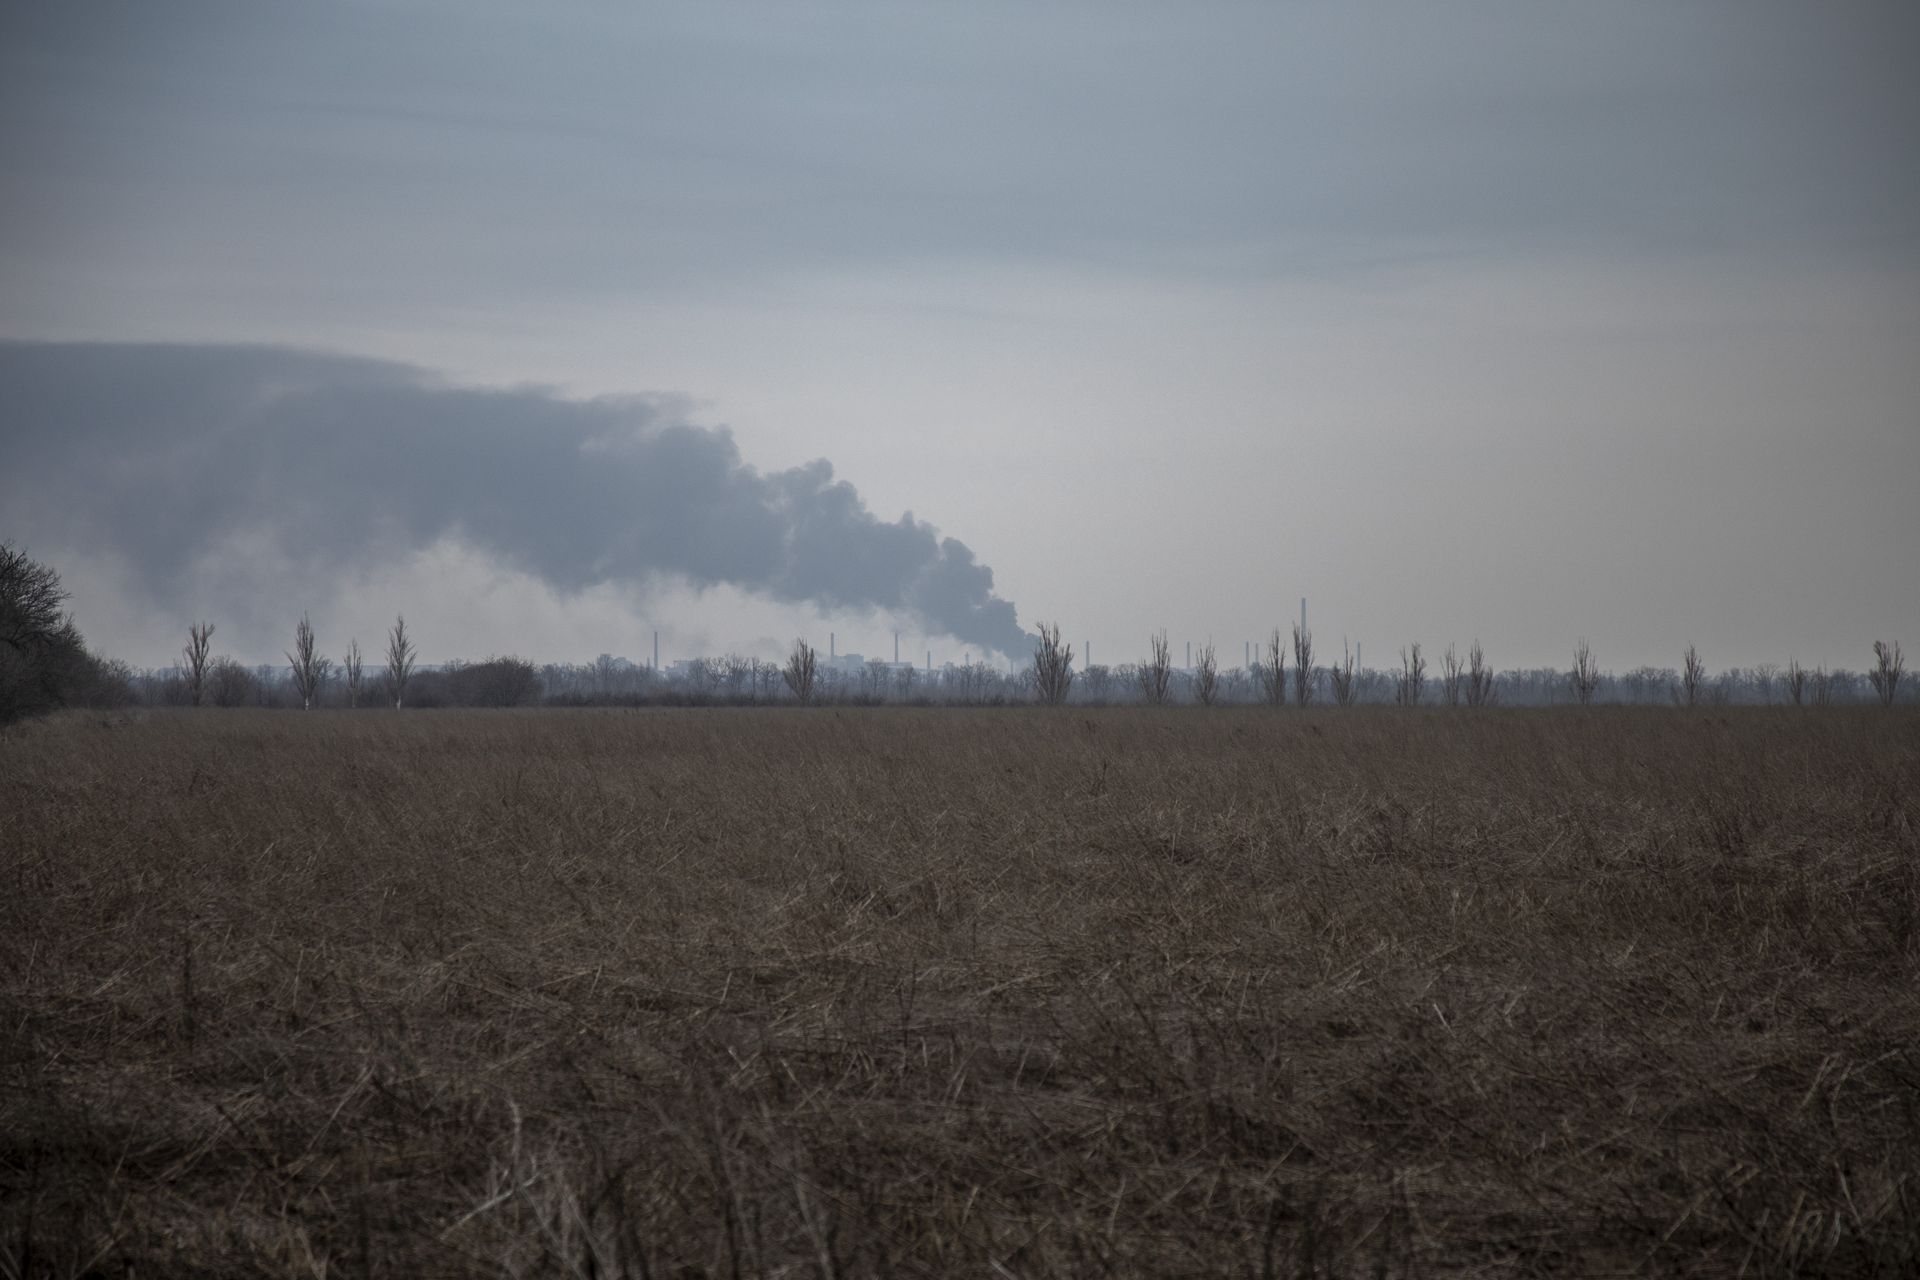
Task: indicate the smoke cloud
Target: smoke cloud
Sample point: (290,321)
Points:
(163,453)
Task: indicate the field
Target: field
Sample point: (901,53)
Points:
(932,992)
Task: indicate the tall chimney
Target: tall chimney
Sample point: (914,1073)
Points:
(1086,654)
(1189,655)
(896,648)
(830,649)
(656,653)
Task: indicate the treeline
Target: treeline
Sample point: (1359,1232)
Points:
(496,682)
(512,681)
(1457,680)
(733,680)
(45,665)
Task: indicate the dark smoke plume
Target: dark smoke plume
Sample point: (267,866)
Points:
(160,452)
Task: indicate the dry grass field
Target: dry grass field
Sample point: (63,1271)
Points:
(999,993)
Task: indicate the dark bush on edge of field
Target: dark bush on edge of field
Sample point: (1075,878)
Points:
(497,682)
(44,663)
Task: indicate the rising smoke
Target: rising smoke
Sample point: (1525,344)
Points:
(162,453)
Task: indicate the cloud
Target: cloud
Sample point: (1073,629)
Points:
(174,457)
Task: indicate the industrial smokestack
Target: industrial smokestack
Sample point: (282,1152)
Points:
(896,648)
(656,653)
(831,652)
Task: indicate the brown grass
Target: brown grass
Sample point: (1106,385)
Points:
(847,993)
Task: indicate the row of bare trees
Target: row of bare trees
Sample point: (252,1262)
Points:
(1053,677)
(1155,676)
(1052,673)
(1692,684)
(308,669)
(1470,682)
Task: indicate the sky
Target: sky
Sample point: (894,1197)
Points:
(555,325)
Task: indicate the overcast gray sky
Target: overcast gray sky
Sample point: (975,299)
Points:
(1518,321)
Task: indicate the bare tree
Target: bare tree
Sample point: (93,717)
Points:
(1479,678)
(699,675)
(196,657)
(1453,677)
(1693,676)
(1099,678)
(1302,665)
(1052,666)
(1343,686)
(229,684)
(1795,682)
(802,664)
(1272,671)
(308,667)
(1412,679)
(1156,673)
(400,659)
(30,600)
(1888,666)
(350,666)
(1206,676)
(1232,681)
(736,675)
(1585,676)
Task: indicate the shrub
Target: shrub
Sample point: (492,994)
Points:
(44,663)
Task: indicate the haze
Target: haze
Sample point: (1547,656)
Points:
(1485,320)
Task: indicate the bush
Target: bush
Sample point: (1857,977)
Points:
(497,682)
(44,664)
